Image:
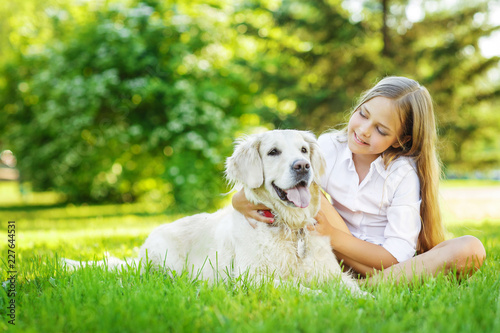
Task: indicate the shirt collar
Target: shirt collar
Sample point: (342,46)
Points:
(378,164)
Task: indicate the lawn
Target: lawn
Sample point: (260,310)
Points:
(50,299)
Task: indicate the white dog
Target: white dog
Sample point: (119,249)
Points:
(280,169)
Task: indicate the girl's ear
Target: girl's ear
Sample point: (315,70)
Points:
(245,165)
(317,160)
(402,142)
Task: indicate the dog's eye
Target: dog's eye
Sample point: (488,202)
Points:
(304,150)
(274,152)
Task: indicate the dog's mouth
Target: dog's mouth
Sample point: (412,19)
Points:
(298,195)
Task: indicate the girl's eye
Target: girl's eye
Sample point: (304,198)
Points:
(362,114)
(381,131)
(274,152)
(304,150)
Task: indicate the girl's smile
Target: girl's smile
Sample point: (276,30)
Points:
(359,141)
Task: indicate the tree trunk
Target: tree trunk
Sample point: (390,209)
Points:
(385,31)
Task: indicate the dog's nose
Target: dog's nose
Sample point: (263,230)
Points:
(301,166)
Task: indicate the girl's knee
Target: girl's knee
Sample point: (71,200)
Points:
(473,247)
(469,252)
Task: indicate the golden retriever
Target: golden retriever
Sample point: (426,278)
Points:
(280,169)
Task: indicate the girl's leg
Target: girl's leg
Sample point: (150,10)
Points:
(464,255)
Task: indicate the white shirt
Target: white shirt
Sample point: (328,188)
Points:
(385,208)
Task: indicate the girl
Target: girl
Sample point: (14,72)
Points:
(382,175)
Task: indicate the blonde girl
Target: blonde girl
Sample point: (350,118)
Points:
(383,175)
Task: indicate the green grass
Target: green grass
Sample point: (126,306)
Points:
(51,299)
(453,183)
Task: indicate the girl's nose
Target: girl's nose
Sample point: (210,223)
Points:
(365,130)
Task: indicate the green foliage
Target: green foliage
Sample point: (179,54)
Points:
(314,62)
(337,53)
(117,103)
(120,100)
(443,51)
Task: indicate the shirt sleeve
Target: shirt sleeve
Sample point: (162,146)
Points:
(403,217)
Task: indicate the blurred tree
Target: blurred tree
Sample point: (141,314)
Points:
(312,62)
(319,56)
(122,97)
(439,46)
(108,101)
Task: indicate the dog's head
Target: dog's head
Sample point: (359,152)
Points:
(284,163)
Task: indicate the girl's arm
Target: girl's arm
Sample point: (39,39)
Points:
(249,210)
(362,256)
(329,215)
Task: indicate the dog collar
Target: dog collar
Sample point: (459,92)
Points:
(266,213)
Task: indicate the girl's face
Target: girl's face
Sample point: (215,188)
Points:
(373,128)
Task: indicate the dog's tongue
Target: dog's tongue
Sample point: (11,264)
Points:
(299,195)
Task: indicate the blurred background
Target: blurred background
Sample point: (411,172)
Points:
(107,101)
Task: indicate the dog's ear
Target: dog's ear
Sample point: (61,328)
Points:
(245,165)
(317,159)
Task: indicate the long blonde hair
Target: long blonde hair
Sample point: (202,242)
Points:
(416,113)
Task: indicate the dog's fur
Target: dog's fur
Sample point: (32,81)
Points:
(280,169)
(266,166)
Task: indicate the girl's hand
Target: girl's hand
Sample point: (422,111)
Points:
(322,225)
(328,219)
(250,211)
